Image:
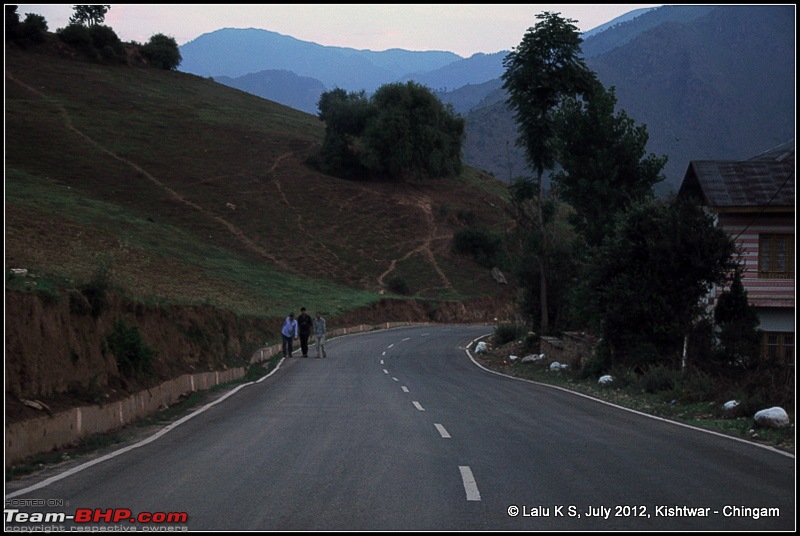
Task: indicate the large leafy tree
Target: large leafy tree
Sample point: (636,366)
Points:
(346,115)
(643,286)
(544,70)
(604,167)
(402,131)
(90,15)
(413,134)
(162,51)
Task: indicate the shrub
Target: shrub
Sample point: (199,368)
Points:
(506,333)
(658,378)
(78,303)
(97,289)
(467,217)
(91,393)
(599,362)
(133,356)
(12,21)
(696,386)
(35,26)
(105,40)
(531,342)
(77,36)
(765,387)
(483,245)
(399,285)
(623,377)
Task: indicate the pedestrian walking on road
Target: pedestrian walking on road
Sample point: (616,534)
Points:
(320,329)
(304,326)
(288,334)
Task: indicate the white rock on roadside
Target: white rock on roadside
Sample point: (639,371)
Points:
(532,358)
(772,418)
(730,404)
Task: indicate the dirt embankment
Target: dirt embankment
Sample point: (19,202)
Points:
(60,352)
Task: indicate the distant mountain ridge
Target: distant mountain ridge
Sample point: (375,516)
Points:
(298,92)
(477,69)
(614,22)
(708,81)
(236,52)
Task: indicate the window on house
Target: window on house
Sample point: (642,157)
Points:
(779,346)
(776,256)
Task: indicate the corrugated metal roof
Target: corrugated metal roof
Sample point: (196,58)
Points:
(784,151)
(766,180)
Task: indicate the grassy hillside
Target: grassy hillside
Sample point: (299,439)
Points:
(184,190)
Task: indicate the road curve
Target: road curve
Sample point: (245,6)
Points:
(400,430)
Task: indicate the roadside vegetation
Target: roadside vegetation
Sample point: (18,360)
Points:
(694,396)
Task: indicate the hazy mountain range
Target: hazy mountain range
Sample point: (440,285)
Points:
(710,82)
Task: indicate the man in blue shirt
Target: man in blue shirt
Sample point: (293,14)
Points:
(289,333)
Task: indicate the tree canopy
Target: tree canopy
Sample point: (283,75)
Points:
(642,287)
(90,15)
(544,70)
(402,131)
(603,163)
(541,72)
(162,51)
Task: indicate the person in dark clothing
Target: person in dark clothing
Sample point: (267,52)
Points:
(304,326)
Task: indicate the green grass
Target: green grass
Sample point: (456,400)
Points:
(166,155)
(263,289)
(703,414)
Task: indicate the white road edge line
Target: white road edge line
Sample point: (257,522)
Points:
(470,486)
(442,431)
(418,405)
(676,423)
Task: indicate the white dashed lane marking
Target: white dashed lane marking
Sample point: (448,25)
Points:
(442,431)
(470,486)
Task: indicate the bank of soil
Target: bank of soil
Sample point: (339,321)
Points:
(58,354)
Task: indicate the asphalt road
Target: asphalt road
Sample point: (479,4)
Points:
(401,430)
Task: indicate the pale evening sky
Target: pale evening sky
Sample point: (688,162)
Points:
(461,28)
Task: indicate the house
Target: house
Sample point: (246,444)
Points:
(754,202)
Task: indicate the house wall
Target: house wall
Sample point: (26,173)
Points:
(746,228)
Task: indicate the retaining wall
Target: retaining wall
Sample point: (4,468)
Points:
(47,433)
